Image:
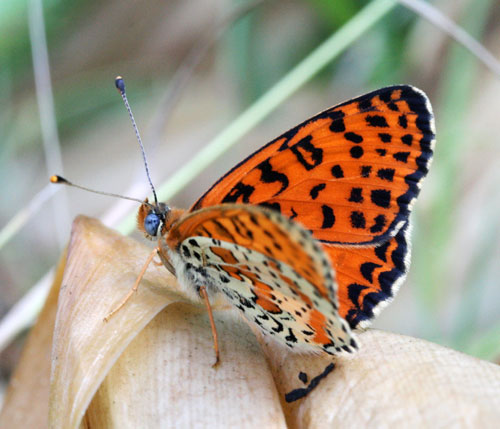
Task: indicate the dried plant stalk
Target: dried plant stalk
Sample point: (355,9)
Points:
(151,364)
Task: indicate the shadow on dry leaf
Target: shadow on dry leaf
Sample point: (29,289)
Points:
(151,365)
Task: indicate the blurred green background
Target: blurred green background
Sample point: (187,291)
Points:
(452,294)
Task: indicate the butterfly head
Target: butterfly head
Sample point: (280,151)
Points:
(153,218)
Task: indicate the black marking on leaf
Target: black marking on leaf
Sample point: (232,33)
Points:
(304,148)
(386,138)
(328,216)
(401,156)
(356,195)
(358,220)
(268,175)
(381,197)
(376,121)
(314,192)
(300,393)
(303,377)
(337,172)
(386,174)
(379,224)
(367,269)
(353,137)
(356,152)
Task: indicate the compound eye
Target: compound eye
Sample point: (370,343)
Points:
(151,224)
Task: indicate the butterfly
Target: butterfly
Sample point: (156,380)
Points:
(308,236)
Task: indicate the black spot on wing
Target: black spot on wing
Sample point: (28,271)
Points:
(328,216)
(401,156)
(379,224)
(358,220)
(366,170)
(381,251)
(268,175)
(315,190)
(337,172)
(386,174)
(272,206)
(353,137)
(393,106)
(356,152)
(386,138)
(337,125)
(308,155)
(407,139)
(365,105)
(367,269)
(402,121)
(376,121)
(239,190)
(353,292)
(381,197)
(356,195)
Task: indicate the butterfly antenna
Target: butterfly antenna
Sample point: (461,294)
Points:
(62,181)
(120,85)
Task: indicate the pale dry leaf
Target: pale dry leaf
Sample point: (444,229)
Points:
(101,268)
(27,400)
(165,377)
(393,381)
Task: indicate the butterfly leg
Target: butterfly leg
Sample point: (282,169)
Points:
(135,287)
(204,295)
(157,263)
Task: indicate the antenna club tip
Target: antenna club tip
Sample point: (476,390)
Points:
(57,179)
(120,84)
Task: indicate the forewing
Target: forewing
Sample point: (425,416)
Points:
(349,174)
(269,268)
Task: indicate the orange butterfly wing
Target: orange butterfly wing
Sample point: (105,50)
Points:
(350,175)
